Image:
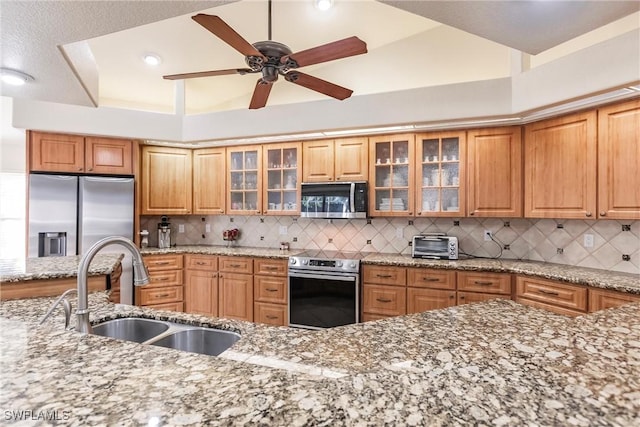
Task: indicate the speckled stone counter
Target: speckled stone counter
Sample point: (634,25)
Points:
(495,363)
(221,251)
(55,267)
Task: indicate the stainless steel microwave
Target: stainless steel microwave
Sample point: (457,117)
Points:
(434,246)
(334,200)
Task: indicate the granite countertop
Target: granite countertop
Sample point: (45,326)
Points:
(220,250)
(494,363)
(55,267)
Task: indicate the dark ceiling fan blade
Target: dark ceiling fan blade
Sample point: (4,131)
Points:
(327,52)
(227,34)
(319,85)
(240,71)
(260,95)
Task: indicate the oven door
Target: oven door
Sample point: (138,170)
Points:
(323,300)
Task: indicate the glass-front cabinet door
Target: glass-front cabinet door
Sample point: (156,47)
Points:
(282,173)
(244,180)
(440,174)
(391,173)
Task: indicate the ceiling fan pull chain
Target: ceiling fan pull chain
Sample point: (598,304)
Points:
(269,29)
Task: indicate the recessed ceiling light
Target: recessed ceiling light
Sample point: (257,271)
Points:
(14,77)
(151,59)
(323,4)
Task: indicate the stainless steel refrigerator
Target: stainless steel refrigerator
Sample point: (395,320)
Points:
(68,214)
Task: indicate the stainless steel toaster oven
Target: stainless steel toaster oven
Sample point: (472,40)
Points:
(434,246)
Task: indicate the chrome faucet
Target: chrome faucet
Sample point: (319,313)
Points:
(141,277)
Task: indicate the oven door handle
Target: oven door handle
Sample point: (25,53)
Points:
(350,278)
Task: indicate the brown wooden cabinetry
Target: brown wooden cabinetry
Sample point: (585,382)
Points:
(440,174)
(559,297)
(429,289)
(51,152)
(560,167)
(165,289)
(209,191)
(494,169)
(335,160)
(482,286)
(244,180)
(282,175)
(601,299)
(166,181)
(619,160)
(270,291)
(384,291)
(201,284)
(235,288)
(391,175)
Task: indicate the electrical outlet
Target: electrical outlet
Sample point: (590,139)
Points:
(588,240)
(399,232)
(207,228)
(283,230)
(487,235)
(180,228)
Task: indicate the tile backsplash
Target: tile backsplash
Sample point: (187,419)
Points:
(615,245)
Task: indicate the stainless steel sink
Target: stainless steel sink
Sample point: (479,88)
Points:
(204,341)
(193,339)
(131,329)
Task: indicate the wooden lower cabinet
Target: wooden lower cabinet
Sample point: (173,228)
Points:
(420,299)
(165,290)
(483,282)
(271,314)
(236,296)
(201,292)
(270,291)
(384,300)
(601,299)
(558,297)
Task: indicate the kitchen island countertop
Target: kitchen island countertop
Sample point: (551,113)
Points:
(494,363)
(46,268)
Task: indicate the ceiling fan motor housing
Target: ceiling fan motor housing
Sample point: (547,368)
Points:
(271,66)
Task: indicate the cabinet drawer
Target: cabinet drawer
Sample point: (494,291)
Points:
(420,299)
(386,300)
(573,297)
(170,306)
(274,267)
(491,283)
(201,262)
(271,314)
(161,295)
(471,297)
(236,265)
(270,289)
(163,262)
(381,275)
(601,299)
(429,278)
(164,278)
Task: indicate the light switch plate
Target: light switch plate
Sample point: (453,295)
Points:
(207,228)
(180,228)
(283,230)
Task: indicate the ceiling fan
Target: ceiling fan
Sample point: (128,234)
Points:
(273,59)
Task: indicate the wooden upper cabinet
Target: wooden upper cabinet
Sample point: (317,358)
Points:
(282,175)
(209,193)
(391,175)
(560,167)
(619,161)
(108,155)
(166,180)
(244,180)
(335,160)
(351,159)
(494,170)
(52,152)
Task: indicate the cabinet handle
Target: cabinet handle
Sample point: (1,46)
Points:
(430,279)
(162,295)
(419,213)
(383,300)
(603,213)
(384,276)
(90,169)
(588,214)
(235,265)
(461,297)
(410,213)
(161,262)
(160,279)
(483,283)
(271,290)
(79,169)
(542,291)
(472,213)
(270,316)
(201,263)
(270,267)
(451,297)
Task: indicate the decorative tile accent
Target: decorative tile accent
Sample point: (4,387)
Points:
(526,239)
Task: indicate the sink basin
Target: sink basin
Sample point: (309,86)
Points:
(204,341)
(131,329)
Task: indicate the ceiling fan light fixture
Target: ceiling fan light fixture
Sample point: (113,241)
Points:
(14,77)
(323,4)
(151,59)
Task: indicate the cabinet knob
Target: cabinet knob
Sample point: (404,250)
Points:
(410,213)
(90,169)
(338,178)
(472,213)
(419,213)
(603,213)
(79,169)
(588,214)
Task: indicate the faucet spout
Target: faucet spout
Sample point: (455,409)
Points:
(140,276)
